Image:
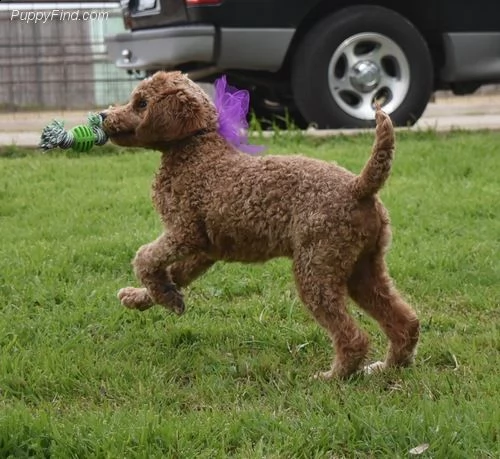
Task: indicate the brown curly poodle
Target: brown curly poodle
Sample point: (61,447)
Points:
(220,204)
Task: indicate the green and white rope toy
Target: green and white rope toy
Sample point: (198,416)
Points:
(81,138)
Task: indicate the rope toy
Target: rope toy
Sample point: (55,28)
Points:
(81,138)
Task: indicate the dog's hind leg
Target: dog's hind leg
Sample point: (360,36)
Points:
(325,295)
(371,288)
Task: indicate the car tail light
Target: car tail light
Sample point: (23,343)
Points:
(202,2)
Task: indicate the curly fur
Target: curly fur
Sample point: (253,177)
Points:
(219,204)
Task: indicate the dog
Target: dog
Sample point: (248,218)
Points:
(217,203)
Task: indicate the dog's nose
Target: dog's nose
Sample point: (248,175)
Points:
(103,115)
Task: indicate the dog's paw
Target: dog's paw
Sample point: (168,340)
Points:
(337,372)
(173,299)
(135,298)
(324,375)
(375,367)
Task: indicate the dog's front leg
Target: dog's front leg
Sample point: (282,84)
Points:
(150,266)
(186,271)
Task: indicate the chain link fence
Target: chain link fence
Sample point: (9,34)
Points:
(59,61)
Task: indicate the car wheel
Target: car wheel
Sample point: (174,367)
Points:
(356,58)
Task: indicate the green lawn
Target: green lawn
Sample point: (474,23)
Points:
(82,377)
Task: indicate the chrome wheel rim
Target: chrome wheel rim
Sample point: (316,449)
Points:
(366,69)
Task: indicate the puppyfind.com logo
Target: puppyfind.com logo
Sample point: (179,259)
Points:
(56,15)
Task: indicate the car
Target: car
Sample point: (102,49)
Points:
(321,62)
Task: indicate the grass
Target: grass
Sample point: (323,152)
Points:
(80,377)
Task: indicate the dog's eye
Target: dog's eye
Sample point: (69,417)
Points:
(142,104)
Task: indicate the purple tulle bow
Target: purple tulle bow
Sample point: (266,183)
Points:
(232,106)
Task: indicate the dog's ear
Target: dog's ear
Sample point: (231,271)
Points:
(192,112)
(176,114)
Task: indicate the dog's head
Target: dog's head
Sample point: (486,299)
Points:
(162,109)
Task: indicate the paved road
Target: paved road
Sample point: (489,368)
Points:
(471,112)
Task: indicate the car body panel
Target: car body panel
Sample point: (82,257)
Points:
(463,35)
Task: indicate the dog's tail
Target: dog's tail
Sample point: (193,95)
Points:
(378,167)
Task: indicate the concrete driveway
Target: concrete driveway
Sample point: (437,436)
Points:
(449,112)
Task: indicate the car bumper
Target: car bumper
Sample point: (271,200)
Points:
(162,48)
(471,56)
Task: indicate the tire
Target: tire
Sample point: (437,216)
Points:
(355,57)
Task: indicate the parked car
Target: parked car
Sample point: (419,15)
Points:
(322,61)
